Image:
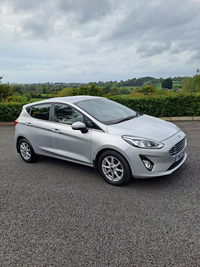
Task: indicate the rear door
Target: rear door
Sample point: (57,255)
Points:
(68,143)
(37,129)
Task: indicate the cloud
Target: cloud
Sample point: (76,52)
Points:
(98,39)
(43,19)
(156,27)
(85,11)
(152,49)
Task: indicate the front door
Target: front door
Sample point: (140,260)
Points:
(68,143)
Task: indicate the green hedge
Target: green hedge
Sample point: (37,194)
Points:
(10,111)
(175,105)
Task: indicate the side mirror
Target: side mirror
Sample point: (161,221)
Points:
(78,125)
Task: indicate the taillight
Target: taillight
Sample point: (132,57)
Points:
(16,121)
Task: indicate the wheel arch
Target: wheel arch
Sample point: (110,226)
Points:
(17,142)
(95,161)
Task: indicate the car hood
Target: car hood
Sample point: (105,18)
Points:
(145,126)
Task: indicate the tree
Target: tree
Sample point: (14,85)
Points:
(167,83)
(83,90)
(44,89)
(106,90)
(191,85)
(196,82)
(94,90)
(17,89)
(32,88)
(5,90)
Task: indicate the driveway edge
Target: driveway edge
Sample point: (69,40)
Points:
(195,118)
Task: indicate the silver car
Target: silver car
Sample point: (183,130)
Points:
(100,133)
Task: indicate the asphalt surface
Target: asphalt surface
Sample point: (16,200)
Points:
(55,213)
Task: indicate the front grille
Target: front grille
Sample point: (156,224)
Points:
(178,147)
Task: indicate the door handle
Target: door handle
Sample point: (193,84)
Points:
(28,124)
(56,130)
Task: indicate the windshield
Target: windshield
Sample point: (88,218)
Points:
(106,111)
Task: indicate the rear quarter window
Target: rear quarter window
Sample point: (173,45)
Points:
(28,109)
(40,111)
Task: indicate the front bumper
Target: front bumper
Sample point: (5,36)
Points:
(163,162)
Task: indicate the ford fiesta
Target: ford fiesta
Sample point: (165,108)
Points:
(98,132)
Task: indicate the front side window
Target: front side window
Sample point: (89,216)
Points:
(41,112)
(66,114)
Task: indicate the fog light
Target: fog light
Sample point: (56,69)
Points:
(147,163)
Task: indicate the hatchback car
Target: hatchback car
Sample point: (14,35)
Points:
(98,132)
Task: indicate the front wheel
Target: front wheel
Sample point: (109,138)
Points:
(26,151)
(114,168)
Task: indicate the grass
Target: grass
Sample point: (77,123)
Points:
(36,99)
(158,85)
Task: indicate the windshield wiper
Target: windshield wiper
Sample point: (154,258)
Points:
(126,119)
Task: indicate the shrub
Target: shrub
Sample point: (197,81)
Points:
(10,111)
(163,105)
(17,98)
(68,91)
(147,89)
(170,105)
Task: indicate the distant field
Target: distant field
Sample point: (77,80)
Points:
(130,87)
(158,85)
(46,95)
(178,83)
(36,99)
(123,95)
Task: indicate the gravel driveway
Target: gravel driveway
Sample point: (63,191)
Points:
(55,213)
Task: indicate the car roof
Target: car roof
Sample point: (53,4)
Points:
(66,99)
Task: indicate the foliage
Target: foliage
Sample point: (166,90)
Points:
(94,90)
(32,88)
(167,83)
(83,90)
(166,105)
(68,91)
(196,82)
(146,90)
(17,89)
(175,87)
(5,91)
(34,95)
(10,111)
(28,96)
(16,98)
(191,85)
(44,88)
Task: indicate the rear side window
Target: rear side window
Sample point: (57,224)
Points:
(41,112)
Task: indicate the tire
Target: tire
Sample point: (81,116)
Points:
(26,151)
(114,168)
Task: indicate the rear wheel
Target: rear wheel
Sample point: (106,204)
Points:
(26,151)
(114,168)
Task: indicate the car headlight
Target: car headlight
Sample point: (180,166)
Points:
(141,142)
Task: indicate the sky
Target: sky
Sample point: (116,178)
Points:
(98,40)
